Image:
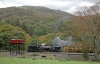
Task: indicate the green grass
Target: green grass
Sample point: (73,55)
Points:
(40,61)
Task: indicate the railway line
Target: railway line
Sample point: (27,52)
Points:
(58,55)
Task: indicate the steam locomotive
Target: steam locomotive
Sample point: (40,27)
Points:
(39,48)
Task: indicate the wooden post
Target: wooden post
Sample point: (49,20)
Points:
(21,49)
(16,48)
(10,48)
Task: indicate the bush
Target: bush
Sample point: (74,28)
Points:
(35,55)
(85,53)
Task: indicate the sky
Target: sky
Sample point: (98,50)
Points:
(63,5)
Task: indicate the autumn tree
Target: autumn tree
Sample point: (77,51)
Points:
(66,26)
(46,38)
(87,25)
(8,32)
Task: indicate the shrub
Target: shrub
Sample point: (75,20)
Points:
(85,53)
(35,55)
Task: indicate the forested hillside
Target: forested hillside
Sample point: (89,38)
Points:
(35,20)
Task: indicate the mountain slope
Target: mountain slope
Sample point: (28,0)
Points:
(35,20)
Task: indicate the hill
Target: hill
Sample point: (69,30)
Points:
(35,20)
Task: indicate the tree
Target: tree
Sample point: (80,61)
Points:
(24,26)
(46,38)
(35,40)
(12,20)
(66,26)
(87,24)
(8,32)
(85,51)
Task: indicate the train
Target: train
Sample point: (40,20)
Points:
(77,49)
(39,48)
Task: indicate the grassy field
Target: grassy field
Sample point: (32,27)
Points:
(40,61)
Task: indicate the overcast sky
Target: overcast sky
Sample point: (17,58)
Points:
(64,5)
